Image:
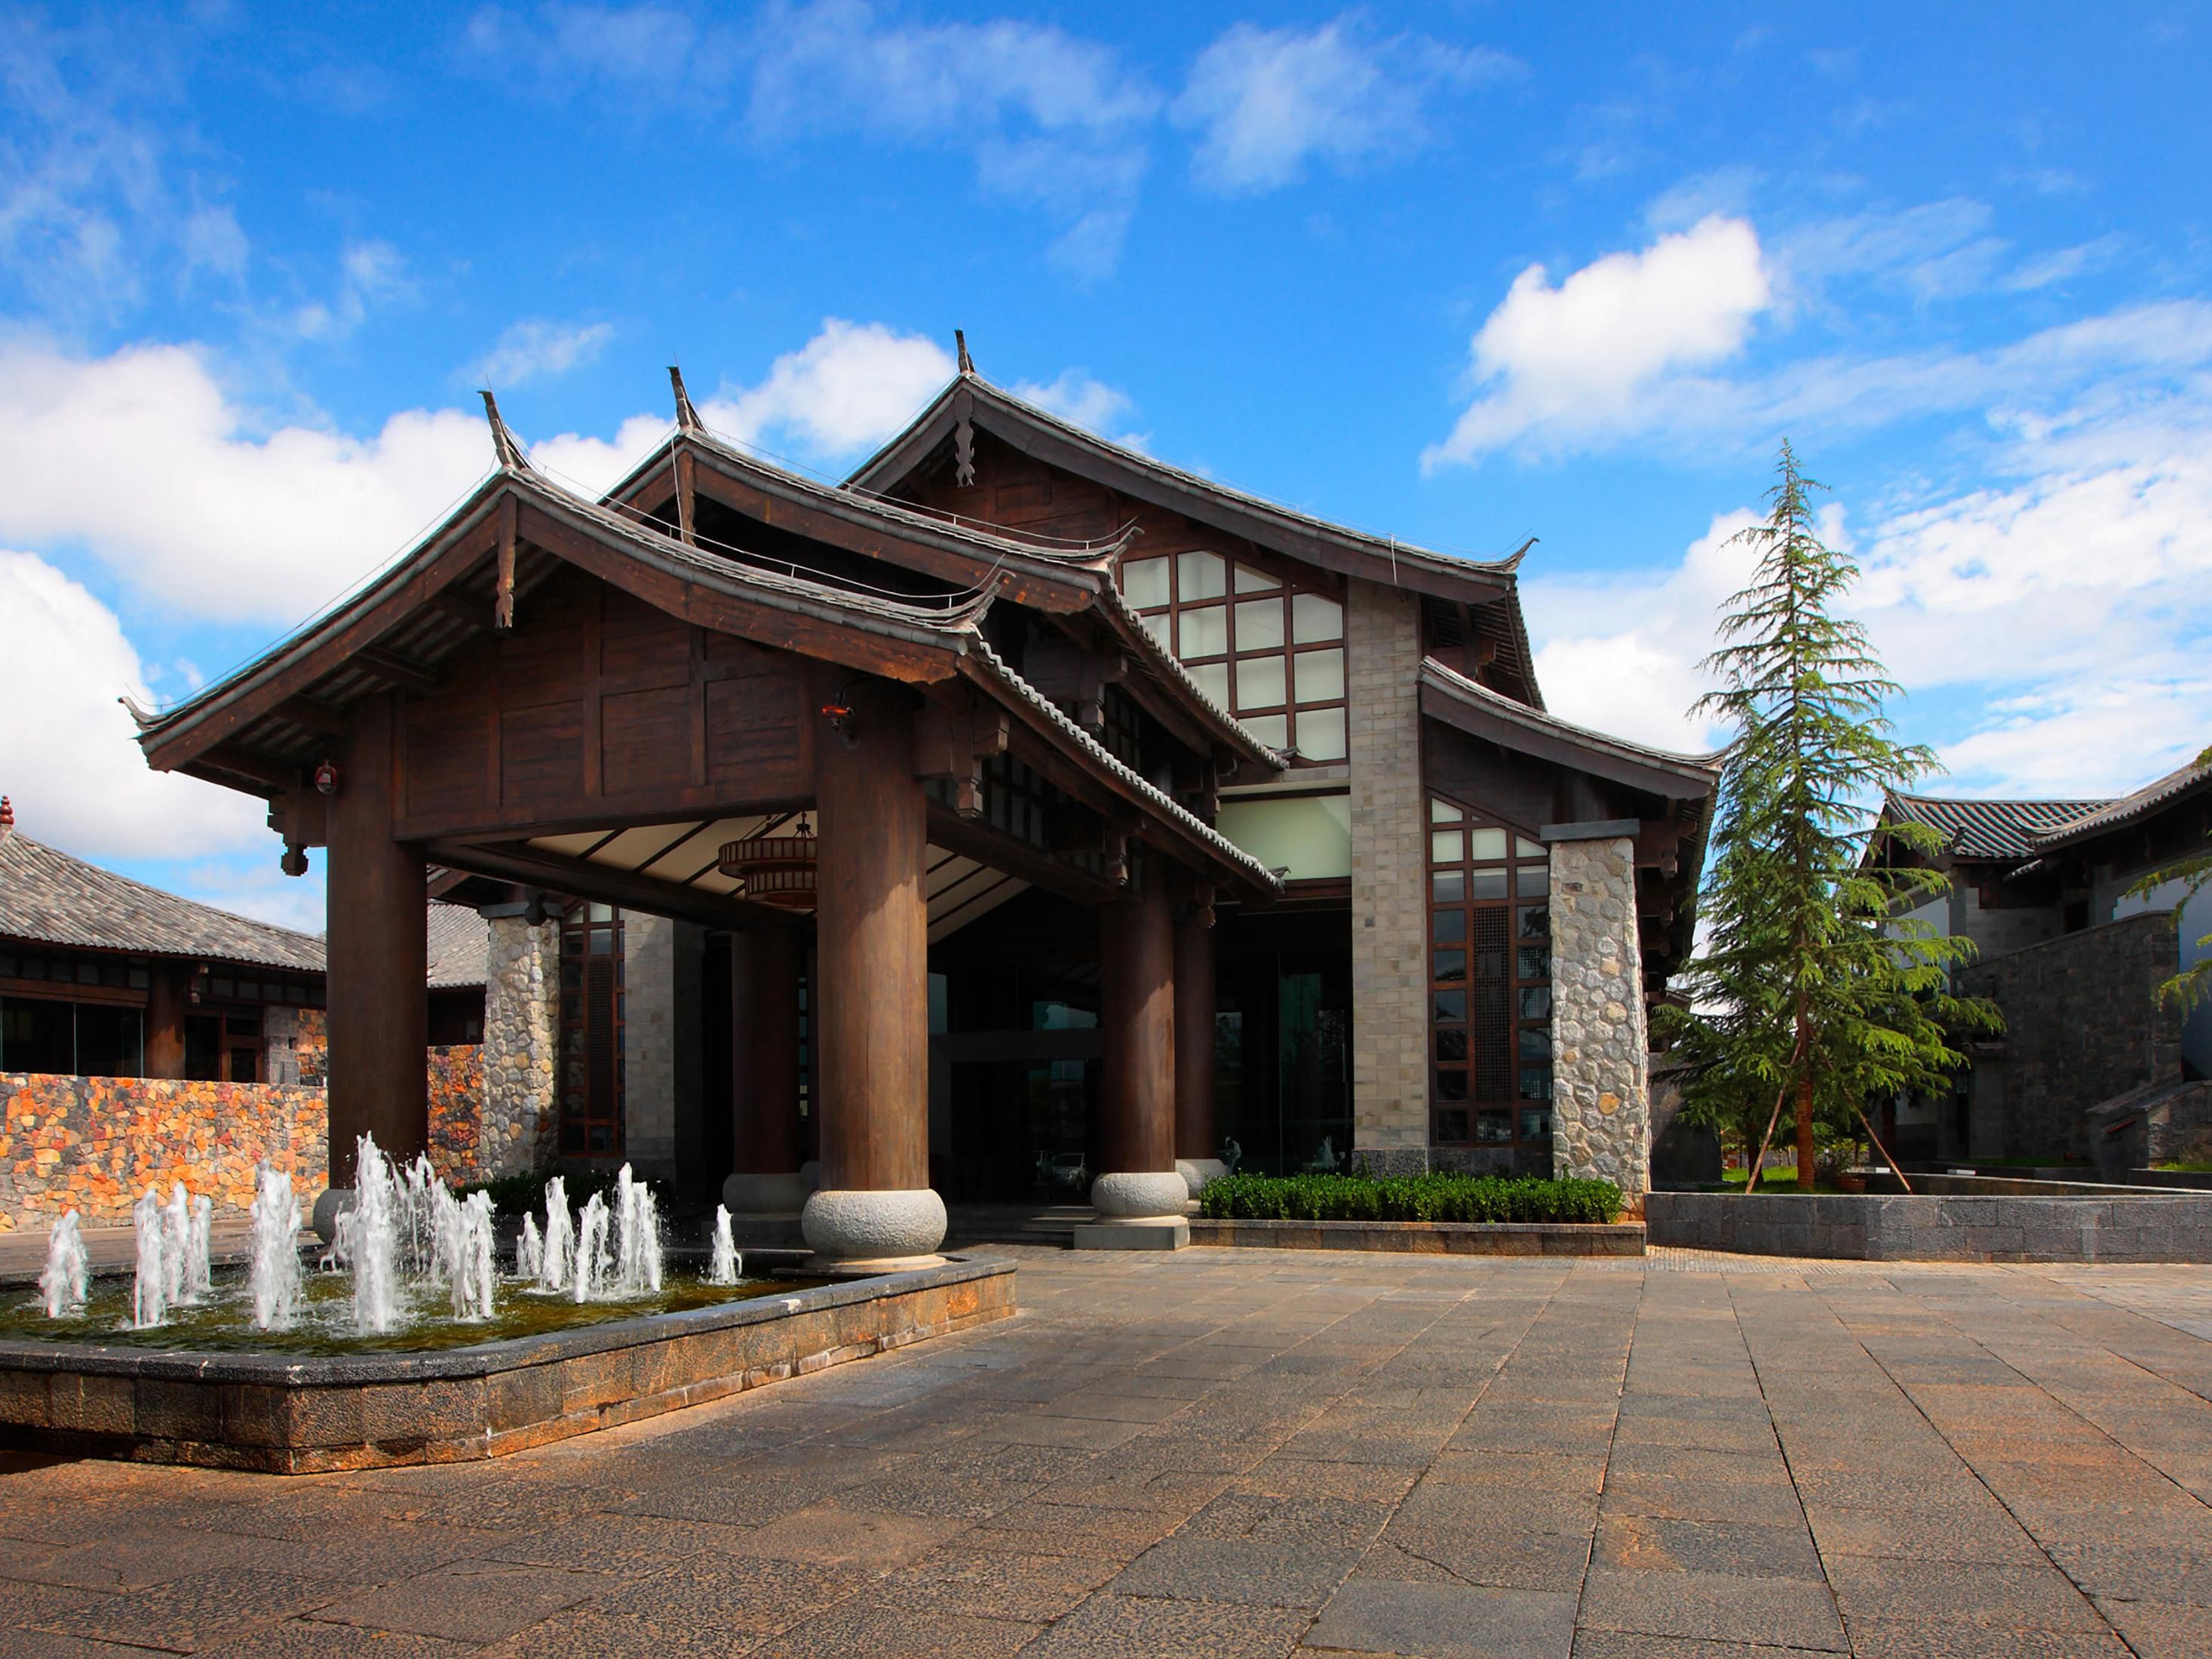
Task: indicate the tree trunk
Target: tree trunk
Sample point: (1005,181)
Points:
(1805,1133)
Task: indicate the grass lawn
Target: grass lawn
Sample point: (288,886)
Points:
(1775,1181)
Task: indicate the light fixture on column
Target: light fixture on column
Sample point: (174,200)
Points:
(776,870)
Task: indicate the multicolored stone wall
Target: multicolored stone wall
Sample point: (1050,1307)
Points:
(95,1143)
(457,1111)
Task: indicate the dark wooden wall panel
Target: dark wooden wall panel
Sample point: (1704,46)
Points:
(598,709)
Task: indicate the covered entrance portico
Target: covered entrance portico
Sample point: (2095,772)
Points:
(616,703)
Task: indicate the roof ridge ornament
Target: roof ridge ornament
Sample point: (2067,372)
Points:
(687,418)
(960,349)
(511,457)
(1512,561)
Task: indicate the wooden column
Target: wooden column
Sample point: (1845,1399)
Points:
(379,1007)
(1137,998)
(1194,1133)
(872,946)
(168,991)
(764,972)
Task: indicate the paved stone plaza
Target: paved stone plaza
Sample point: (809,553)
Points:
(1230,1452)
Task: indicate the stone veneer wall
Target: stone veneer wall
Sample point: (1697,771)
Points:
(95,1143)
(1601,1050)
(2081,1026)
(522,1036)
(1390,881)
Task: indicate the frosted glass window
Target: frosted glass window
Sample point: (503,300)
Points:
(1158,627)
(1442,812)
(1488,844)
(1447,846)
(1486,884)
(1200,576)
(1212,678)
(1274,730)
(1528,850)
(1315,619)
(1259,683)
(1145,582)
(1319,676)
(1249,581)
(1203,632)
(1321,734)
(1310,834)
(1450,885)
(1258,625)
(1532,880)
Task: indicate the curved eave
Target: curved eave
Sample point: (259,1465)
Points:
(1460,702)
(2129,809)
(1269,524)
(991,670)
(322,662)
(1047,578)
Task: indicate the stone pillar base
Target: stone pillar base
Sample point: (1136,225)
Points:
(1196,1172)
(765,1195)
(846,1226)
(1155,1232)
(334,1201)
(1145,1193)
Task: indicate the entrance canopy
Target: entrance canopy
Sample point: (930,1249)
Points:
(595,697)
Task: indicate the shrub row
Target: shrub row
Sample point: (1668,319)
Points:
(1434,1197)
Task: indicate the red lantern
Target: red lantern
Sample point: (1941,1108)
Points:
(326,777)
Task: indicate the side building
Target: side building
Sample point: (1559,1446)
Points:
(2092,1065)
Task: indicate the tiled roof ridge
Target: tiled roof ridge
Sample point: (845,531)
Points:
(1106,757)
(2126,808)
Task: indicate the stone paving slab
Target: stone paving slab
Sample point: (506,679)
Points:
(1231,1453)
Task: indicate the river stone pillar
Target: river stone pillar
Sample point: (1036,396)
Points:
(521,1039)
(872,944)
(1140,1197)
(1600,1052)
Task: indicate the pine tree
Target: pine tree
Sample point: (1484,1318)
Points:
(1812,983)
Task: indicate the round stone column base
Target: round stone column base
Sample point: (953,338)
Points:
(848,1225)
(1142,1193)
(765,1195)
(334,1202)
(1196,1172)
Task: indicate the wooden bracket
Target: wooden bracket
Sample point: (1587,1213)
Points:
(963,444)
(954,743)
(687,496)
(503,609)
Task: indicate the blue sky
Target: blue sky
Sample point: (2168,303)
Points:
(1465,273)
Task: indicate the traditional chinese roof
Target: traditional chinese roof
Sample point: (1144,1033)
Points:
(1061,443)
(47,896)
(1996,829)
(460,948)
(1452,697)
(2099,817)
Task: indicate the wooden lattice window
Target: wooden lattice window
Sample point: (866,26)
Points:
(1266,645)
(592,1045)
(1489,982)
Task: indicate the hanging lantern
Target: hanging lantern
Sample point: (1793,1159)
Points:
(776,870)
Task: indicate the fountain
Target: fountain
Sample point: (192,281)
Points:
(67,1268)
(412,1348)
(274,1278)
(148,1301)
(727,1265)
(560,1237)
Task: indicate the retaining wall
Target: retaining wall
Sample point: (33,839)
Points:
(2145,1228)
(95,1143)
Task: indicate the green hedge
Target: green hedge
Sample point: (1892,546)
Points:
(1436,1197)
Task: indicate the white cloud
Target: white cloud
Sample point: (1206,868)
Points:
(535,348)
(69,759)
(852,385)
(1265,101)
(370,273)
(1558,365)
(2053,626)
(221,517)
(1076,398)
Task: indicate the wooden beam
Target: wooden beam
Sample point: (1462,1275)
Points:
(974,840)
(313,713)
(539,868)
(463,608)
(245,763)
(403,671)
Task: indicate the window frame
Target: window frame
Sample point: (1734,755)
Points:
(1286,583)
(1522,852)
(573,1091)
